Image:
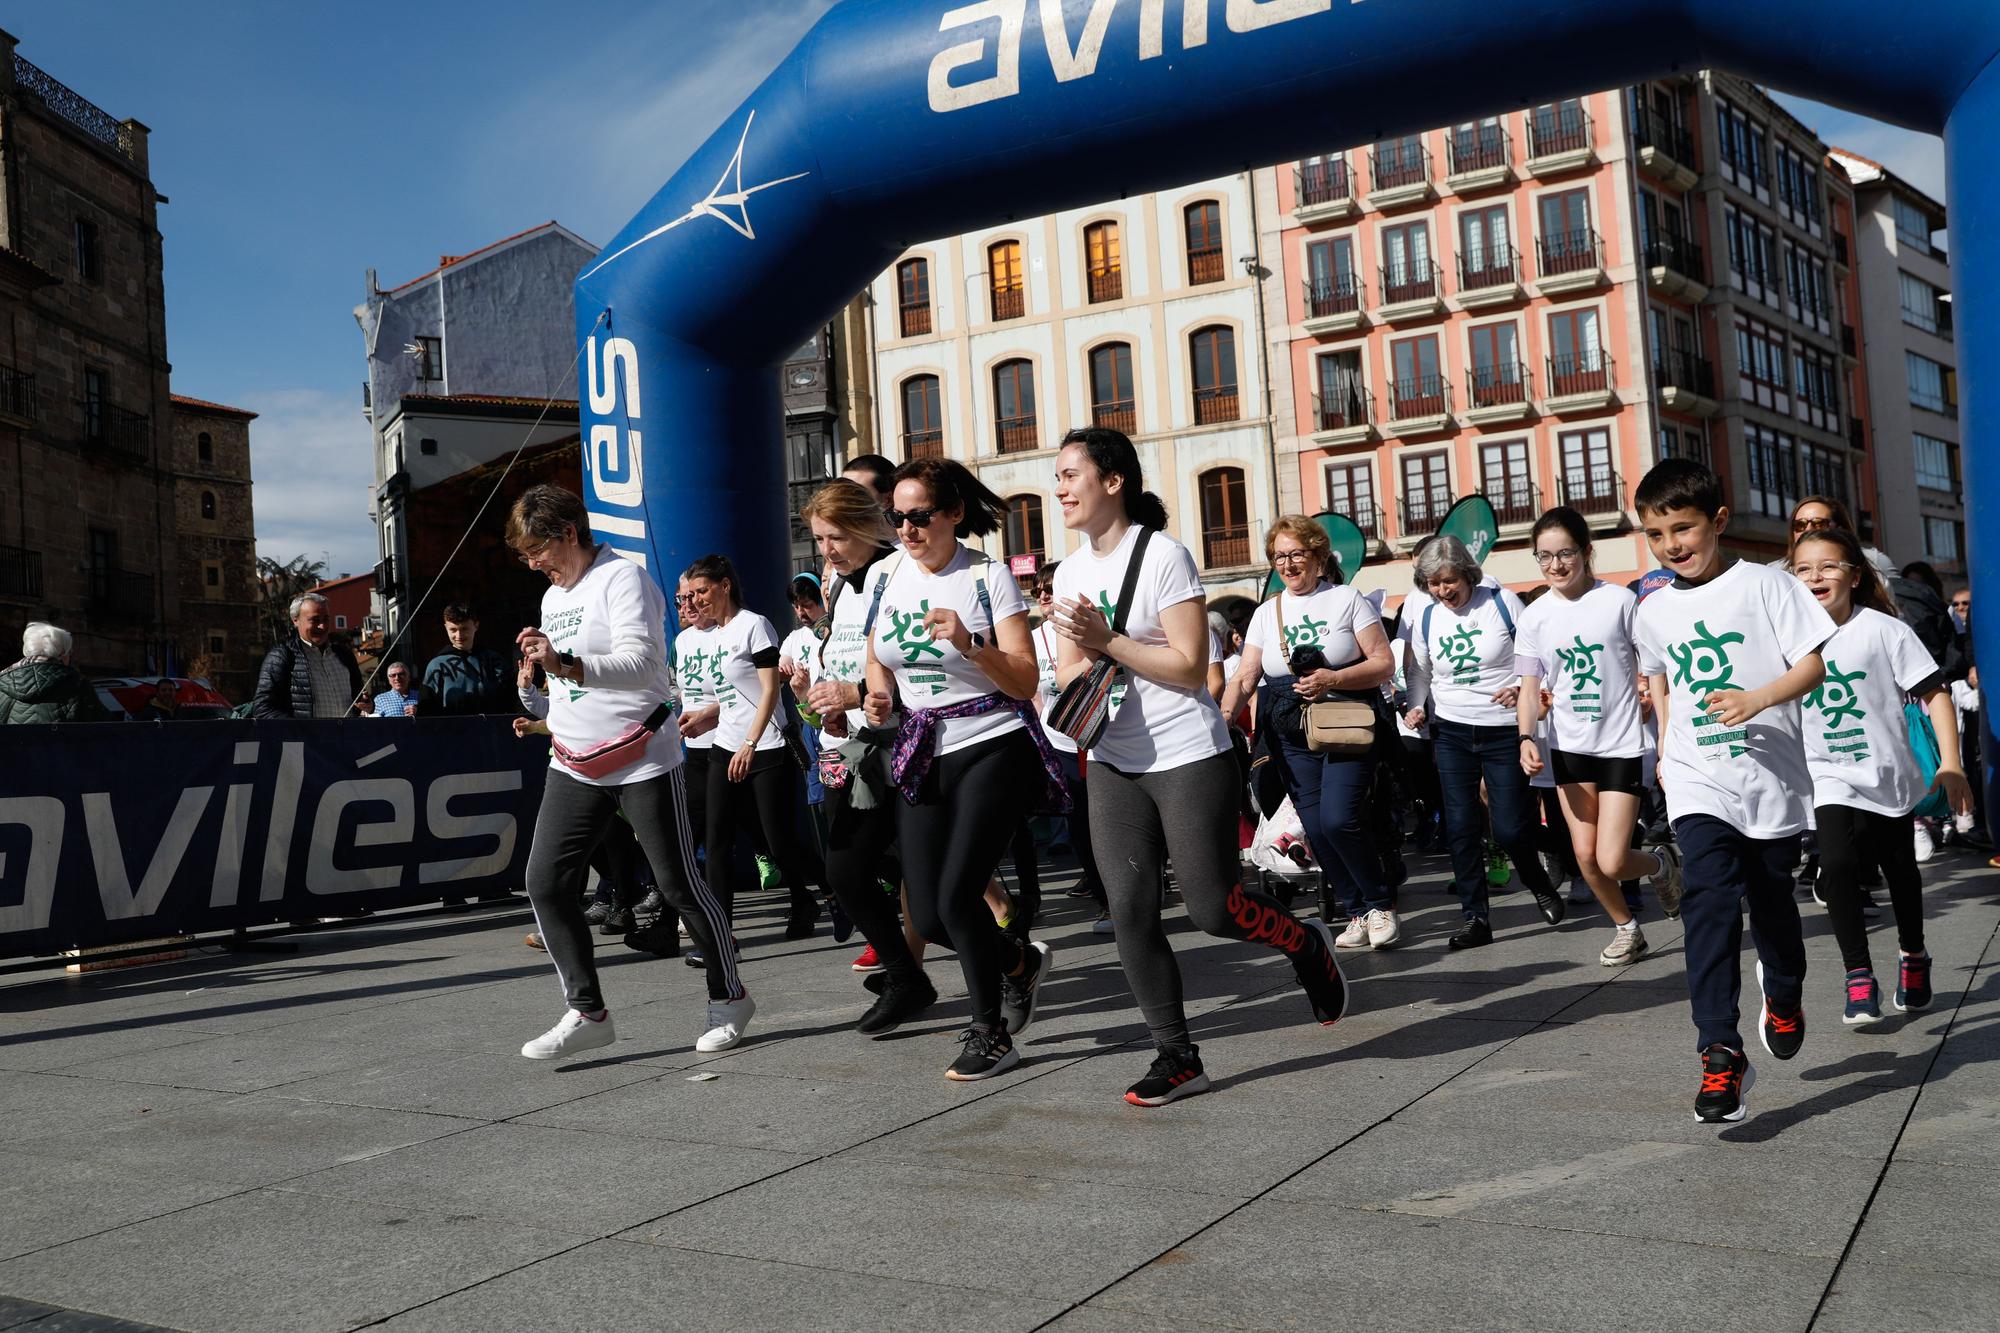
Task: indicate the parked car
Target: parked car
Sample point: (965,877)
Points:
(126,698)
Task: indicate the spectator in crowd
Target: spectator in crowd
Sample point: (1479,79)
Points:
(873,471)
(400,699)
(43,686)
(466,679)
(310,674)
(165,705)
(1961,609)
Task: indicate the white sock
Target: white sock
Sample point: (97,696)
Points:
(1633,924)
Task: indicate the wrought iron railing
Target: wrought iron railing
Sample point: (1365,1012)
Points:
(1578,251)
(18,395)
(1327,181)
(1339,294)
(1514,502)
(1219,404)
(1482,270)
(1558,130)
(20,572)
(1419,396)
(1342,408)
(1119,414)
(1478,150)
(71,105)
(1497,385)
(1401,166)
(1410,282)
(1677,253)
(1652,130)
(1684,370)
(1594,489)
(1579,372)
(1424,510)
(922,444)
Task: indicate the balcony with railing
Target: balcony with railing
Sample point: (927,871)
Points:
(121,594)
(1499,392)
(1675,266)
(1016,435)
(916,317)
(1516,503)
(1333,304)
(1009,303)
(1410,290)
(1569,261)
(1686,382)
(1216,405)
(1594,491)
(125,436)
(1225,547)
(20,400)
(1119,414)
(20,572)
(1581,382)
(1343,416)
(1419,405)
(1491,276)
(922,444)
(1665,150)
(1481,158)
(1400,177)
(73,107)
(1206,265)
(1559,140)
(1368,518)
(1423,511)
(1323,191)
(1105,284)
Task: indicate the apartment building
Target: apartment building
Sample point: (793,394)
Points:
(1905,300)
(1142,314)
(215,534)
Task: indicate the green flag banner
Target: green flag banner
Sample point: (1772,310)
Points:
(1350,543)
(1473,522)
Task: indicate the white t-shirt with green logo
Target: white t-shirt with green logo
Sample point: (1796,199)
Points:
(1153,726)
(693,660)
(1331,616)
(1857,744)
(936,675)
(1464,657)
(615,619)
(844,658)
(1046,639)
(1742,629)
(1587,657)
(733,677)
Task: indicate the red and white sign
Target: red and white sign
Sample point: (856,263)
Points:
(1021,566)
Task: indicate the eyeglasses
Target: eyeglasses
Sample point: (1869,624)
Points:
(916,518)
(1291,557)
(531,556)
(1811,524)
(1961,604)
(1825,569)
(1566,556)
(680,597)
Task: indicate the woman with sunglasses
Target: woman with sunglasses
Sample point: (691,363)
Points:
(1047,643)
(1866,782)
(753,781)
(1579,642)
(951,645)
(1163,778)
(1817,513)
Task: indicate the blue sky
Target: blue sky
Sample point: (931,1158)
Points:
(302,144)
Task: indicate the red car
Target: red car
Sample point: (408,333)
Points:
(126,698)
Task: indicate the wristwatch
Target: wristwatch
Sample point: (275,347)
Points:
(568,662)
(978,642)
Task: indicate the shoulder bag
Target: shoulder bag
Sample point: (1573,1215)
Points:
(1084,706)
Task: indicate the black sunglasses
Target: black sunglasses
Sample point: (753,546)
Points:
(916,518)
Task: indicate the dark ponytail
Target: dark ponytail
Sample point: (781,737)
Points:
(1111,452)
(952,484)
(718,569)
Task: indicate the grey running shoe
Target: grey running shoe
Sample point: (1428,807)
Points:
(1670,883)
(1627,946)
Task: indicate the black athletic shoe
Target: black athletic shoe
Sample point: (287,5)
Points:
(799,925)
(876,982)
(843,929)
(1019,995)
(617,921)
(1782,1031)
(695,958)
(1318,971)
(1726,1078)
(599,909)
(1551,906)
(1174,1075)
(899,1003)
(988,1051)
(653,904)
(1472,934)
(660,937)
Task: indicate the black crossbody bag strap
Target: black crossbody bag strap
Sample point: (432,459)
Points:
(1131,583)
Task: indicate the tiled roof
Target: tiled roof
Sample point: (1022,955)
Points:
(494,399)
(203,405)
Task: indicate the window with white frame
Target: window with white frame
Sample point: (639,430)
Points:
(1937,463)
(1913,226)
(1944,540)
(1924,306)
(1927,383)
(1773,471)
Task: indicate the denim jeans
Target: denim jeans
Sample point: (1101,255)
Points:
(1331,796)
(1465,754)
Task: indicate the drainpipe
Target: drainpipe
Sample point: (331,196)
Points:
(1258,271)
(1650,410)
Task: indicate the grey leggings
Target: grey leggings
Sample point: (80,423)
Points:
(1137,821)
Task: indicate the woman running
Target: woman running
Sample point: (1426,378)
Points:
(951,644)
(1316,639)
(1163,778)
(601,647)
(1463,680)
(1578,640)
(857,545)
(1865,777)
(752,777)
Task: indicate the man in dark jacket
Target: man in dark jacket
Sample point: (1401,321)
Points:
(43,686)
(311,674)
(466,679)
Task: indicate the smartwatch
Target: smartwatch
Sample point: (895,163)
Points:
(978,643)
(567,661)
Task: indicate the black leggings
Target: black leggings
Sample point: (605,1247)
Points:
(1849,841)
(1027,877)
(1189,814)
(857,847)
(967,810)
(770,798)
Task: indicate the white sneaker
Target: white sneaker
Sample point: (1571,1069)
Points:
(1385,931)
(574,1033)
(1355,936)
(1103,925)
(727,1021)
(1926,846)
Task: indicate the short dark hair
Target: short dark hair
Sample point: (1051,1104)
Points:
(458,613)
(542,513)
(1679,483)
(878,468)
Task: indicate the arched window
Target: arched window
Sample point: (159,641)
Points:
(1014,406)
(208,505)
(1225,518)
(1024,534)
(923,418)
(1204,242)
(204,448)
(1104,270)
(913,293)
(1111,397)
(1003,267)
(1213,353)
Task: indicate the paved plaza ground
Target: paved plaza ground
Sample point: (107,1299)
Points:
(346,1137)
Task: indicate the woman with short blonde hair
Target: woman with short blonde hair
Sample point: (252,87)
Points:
(1310,538)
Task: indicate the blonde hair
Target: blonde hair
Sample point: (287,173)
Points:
(1303,531)
(852,508)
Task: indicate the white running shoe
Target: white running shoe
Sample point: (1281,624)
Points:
(1926,846)
(727,1022)
(1385,931)
(574,1033)
(1355,936)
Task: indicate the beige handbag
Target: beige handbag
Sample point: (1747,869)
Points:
(1342,728)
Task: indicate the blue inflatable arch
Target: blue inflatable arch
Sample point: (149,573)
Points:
(898,121)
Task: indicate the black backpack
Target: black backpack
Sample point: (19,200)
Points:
(1924,612)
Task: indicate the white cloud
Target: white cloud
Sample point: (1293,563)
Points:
(310,461)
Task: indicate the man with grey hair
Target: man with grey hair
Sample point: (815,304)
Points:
(310,674)
(43,686)
(400,699)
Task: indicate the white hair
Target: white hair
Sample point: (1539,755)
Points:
(1447,556)
(42,639)
(298,603)
(396,666)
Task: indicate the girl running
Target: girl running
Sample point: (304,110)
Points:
(1163,779)
(1578,640)
(951,643)
(1865,778)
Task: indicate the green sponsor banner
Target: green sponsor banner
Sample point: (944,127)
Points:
(1350,548)
(1473,522)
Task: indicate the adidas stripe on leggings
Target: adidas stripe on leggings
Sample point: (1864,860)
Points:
(1138,821)
(573,818)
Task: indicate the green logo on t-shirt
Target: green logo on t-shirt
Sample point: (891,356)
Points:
(1302,632)
(1839,707)
(1457,651)
(693,666)
(907,632)
(1581,661)
(1702,663)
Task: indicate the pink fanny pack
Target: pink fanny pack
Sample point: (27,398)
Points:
(628,748)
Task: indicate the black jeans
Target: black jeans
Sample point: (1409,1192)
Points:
(570,824)
(771,798)
(857,861)
(1850,840)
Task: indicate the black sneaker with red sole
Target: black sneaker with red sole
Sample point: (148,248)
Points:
(1174,1075)
(1726,1079)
